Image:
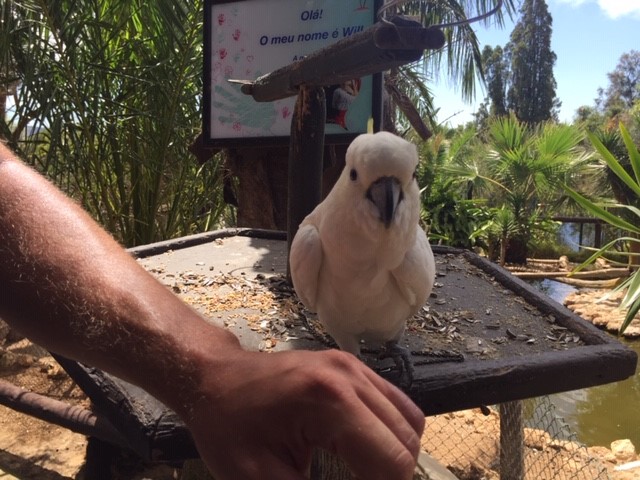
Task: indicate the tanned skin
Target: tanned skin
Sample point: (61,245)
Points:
(70,287)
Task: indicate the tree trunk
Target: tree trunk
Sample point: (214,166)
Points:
(503,250)
(517,250)
(261,190)
(262,179)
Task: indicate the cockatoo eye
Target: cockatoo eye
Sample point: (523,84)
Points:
(353,175)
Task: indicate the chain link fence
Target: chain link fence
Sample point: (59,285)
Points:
(523,440)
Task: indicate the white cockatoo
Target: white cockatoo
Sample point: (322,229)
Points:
(360,259)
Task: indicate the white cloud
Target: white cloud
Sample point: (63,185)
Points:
(619,8)
(612,8)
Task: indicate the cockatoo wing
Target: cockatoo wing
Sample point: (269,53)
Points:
(305,259)
(416,274)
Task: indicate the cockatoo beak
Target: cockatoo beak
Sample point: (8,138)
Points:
(385,193)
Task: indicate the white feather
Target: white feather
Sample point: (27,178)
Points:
(363,279)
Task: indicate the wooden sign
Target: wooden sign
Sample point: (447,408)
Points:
(247,39)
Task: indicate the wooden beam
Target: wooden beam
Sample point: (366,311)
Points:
(584,275)
(306,147)
(382,46)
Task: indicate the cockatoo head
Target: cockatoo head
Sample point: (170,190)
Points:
(380,172)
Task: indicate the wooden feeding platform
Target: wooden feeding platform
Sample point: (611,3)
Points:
(484,337)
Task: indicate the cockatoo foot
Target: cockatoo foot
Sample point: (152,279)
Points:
(402,358)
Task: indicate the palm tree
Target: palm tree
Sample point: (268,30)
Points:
(610,182)
(521,168)
(461,54)
(530,164)
(448,177)
(500,228)
(460,60)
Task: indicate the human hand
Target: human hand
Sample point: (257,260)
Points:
(71,288)
(261,416)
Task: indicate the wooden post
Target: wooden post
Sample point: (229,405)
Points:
(511,441)
(306,148)
(580,237)
(597,239)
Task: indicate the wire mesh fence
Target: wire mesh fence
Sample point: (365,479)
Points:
(523,440)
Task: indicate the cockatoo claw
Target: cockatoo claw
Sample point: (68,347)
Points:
(402,358)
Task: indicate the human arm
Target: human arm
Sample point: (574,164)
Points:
(70,287)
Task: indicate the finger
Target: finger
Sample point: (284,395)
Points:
(407,431)
(375,452)
(372,425)
(388,403)
(409,410)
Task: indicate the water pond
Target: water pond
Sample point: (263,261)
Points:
(598,415)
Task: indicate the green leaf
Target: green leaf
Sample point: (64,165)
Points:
(635,308)
(614,164)
(633,209)
(599,253)
(633,292)
(634,155)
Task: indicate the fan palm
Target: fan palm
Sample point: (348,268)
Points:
(522,169)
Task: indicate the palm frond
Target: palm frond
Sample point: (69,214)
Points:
(632,150)
(460,58)
(614,165)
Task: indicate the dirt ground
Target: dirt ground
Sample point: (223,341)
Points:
(31,449)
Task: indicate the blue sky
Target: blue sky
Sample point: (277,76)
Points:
(589,36)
